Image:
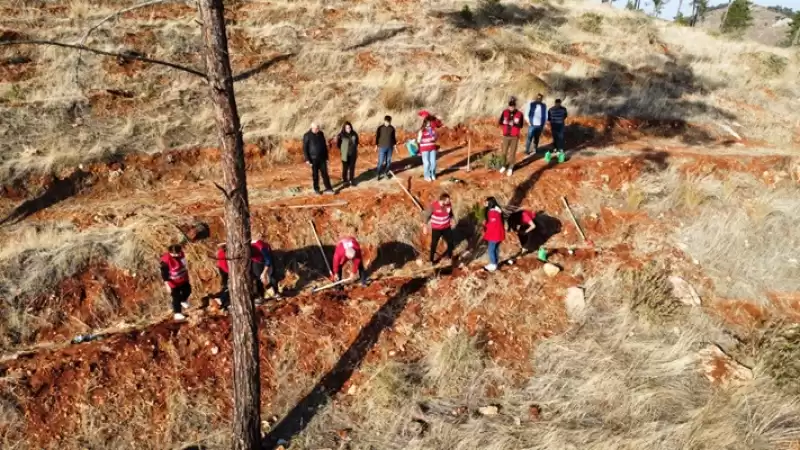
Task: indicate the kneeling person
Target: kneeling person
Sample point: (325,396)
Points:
(522,222)
(262,267)
(348,250)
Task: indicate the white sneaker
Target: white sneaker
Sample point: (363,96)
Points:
(427,179)
(218,301)
(179,316)
(185,305)
(490,267)
(502,169)
(510,171)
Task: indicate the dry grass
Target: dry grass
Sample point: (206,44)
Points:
(614,381)
(738,229)
(779,354)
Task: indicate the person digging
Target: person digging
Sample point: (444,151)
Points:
(522,222)
(175,275)
(348,250)
(261,265)
(439,217)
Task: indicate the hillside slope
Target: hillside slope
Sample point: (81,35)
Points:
(768,27)
(682,161)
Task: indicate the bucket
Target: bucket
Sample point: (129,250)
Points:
(413,148)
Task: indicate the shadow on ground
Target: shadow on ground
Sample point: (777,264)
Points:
(332,382)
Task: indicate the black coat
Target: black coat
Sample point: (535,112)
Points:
(352,149)
(315,147)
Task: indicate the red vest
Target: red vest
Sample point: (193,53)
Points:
(178,275)
(495,231)
(428,141)
(528,217)
(256,249)
(222,260)
(511,123)
(440,216)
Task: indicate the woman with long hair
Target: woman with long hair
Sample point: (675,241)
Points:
(426,138)
(347,141)
(494,231)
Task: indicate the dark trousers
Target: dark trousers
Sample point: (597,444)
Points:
(361,272)
(179,295)
(534,133)
(257,270)
(558,135)
(320,167)
(224,294)
(525,239)
(447,234)
(384,160)
(349,169)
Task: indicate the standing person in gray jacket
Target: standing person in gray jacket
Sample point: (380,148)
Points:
(557,117)
(385,143)
(347,141)
(536,116)
(315,150)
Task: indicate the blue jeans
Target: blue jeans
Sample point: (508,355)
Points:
(494,252)
(558,135)
(384,160)
(534,133)
(429,164)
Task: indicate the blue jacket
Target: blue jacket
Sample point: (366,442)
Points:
(532,106)
(557,115)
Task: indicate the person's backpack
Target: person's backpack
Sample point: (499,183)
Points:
(413,147)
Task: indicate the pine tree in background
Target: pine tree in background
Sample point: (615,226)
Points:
(658,7)
(738,18)
(699,9)
(794,30)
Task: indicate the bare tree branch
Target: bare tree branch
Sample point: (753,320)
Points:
(107,53)
(108,18)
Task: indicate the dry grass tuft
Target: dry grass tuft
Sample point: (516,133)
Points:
(779,352)
(649,293)
(591,22)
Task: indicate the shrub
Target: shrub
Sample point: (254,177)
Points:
(493,161)
(591,22)
(780,354)
(466,15)
(649,293)
(397,98)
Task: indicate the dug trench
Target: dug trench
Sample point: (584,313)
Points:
(135,368)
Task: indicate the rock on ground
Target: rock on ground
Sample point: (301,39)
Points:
(490,410)
(575,303)
(720,368)
(551,269)
(684,291)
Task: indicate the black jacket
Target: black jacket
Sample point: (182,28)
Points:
(315,147)
(385,136)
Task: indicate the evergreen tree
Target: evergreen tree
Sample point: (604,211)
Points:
(794,30)
(699,9)
(738,17)
(658,7)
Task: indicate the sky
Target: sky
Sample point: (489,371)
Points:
(671,8)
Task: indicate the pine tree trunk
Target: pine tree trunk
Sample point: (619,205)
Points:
(246,379)
(680,5)
(724,16)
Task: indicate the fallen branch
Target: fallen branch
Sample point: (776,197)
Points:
(112,16)
(107,53)
(413,199)
(324,205)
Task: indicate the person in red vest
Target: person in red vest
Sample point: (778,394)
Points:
(511,122)
(223,296)
(426,138)
(347,249)
(439,216)
(262,267)
(175,274)
(435,121)
(523,223)
(494,232)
